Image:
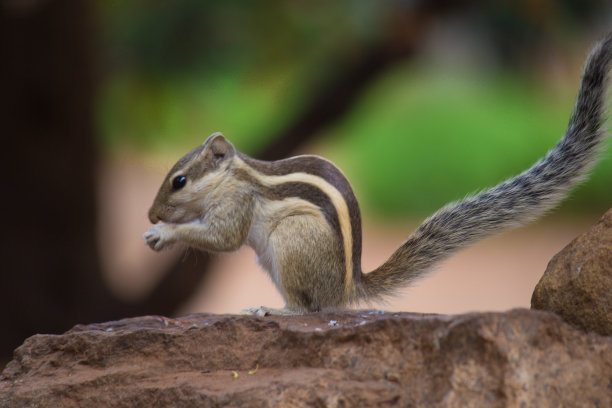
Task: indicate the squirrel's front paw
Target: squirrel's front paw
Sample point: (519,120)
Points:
(158,237)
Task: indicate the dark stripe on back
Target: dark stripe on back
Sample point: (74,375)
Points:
(312,194)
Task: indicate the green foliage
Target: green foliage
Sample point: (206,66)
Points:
(170,116)
(420,139)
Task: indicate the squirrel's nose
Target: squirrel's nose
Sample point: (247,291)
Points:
(153,217)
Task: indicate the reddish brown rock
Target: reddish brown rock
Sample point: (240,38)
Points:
(577,284)
(520,358)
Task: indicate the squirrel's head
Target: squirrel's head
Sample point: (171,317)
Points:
(197,175)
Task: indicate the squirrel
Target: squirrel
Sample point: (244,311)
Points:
(301,217)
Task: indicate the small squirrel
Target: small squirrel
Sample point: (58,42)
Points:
(301,217)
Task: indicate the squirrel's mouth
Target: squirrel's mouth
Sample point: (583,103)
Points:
(171,216)
(160,215)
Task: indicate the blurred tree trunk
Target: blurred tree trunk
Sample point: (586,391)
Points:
(46,108)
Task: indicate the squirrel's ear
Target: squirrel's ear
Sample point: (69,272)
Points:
(211,137)
(220,147)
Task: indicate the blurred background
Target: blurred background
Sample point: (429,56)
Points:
(418,102)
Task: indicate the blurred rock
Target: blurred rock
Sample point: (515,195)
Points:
(358,358)
(577,284)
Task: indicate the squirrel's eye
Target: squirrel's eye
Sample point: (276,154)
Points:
(179,182)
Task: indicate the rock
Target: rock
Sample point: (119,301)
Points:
(577,284)
(520,358)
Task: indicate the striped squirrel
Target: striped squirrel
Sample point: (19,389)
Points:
(301,217)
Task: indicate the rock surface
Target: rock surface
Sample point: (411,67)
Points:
(577,284)
(520,358)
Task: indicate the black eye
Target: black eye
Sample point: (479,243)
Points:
(179,182)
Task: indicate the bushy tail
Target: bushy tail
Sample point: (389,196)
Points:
(513,202)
